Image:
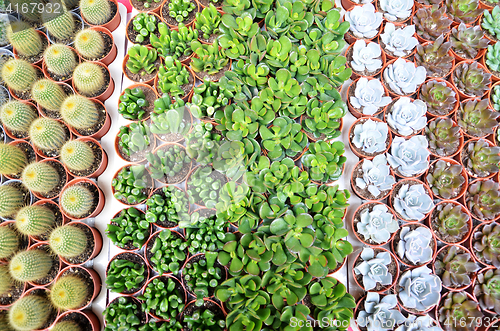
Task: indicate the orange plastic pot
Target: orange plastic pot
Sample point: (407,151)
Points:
(96,281)
(91,322)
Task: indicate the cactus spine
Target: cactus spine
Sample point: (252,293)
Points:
(40,177)
(79,112)
(77,155)
(11,199)
(30,313)
(4,321)
(68,241)
(88,78)
(9,242)
(17,116)
(69,292)
(35,220)
(89,44)
(6,281)
(76,201)
(12,159)
(48,94)
(47,134)
(19,75)
(96,12)
(30,265)
(61,26)
(66,326)
(24,38)
(60,60)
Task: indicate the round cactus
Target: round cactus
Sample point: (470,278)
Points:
(25,39)
(69,292)
(12,159)
(30,313)
(17,116)
(68,241)
(60,60)
(66,326)
(96,12)
(40,177)
(76,201)
(88,78)
(61,26)
(48,94)
(6,281)
(79,112)
(9,242)
(11,199)
(19,75)
(77,155)
(89,44)
(35,220)
(47,134)
(30,265)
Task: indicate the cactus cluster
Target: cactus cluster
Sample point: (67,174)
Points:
(40,177)
(19,75)
(48,94)
(35,220)
(12,159)
(77,155)
(79,112)
(60,60)
(89,44)
(11,199)
(88,78)
(69,292)
(96,12)
(17,116)
(30,313)
(60,26)
(25,39)
(9,242)
(68,241)
(30,265)
(47,134)
(76,200)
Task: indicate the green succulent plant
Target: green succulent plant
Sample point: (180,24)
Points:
(435,57)
(48,94)
(495,99)
(232,83)
(238,121)
(490,22)
(323,119)
(486,245)
(68,241)
(172,325)
(135,138)
(167,163)
(133,104)
(481,159)
(471,79)
(208,98)
(131,184)
(174,43)
(463,11)
(204,185)
(167,252)
(12,159)
(69,292)
(11,200)
(443,136)
(77,201)
(40,177)
(17,116)
(487,290)
(170,118)
(235,32)
(207,22)
(129,229)
(31,312)
(432,22)
(455,267)
(202,275)
(180,9)
(172,76)
(141,60)
(209,58)
(234,157)
(492,58)
(123,312)
(324,161)
(451,222)
(168,207)
(60,26)
(251,71)
(163,297)
(35,220)
(125,275)
(145,25)
(88,78)
(468,41)
(204,233)
(202,143)
(238,7)
(30,265)
(89,44)
(458,305)
(19,75)
(290,19)
(476,118)
(24,39)
(96,12)
(203,318)
(446,179)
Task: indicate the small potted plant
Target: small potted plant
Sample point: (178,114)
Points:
(493,96)
(174,12)
(209,61)
(203,223)
(132,184)
(447,179)
(402,77)
(134,141)
(375,308)
(96,44)
(456,267)
(141,27)
(321,127)
(411,200)
(491,61)
(12,241)
(16,117)
(372,179)
(480,158)
(203,185)
(174,79)
(127,273)
(102,13)
(129,229)
(450,222)
(177,45)
(49,96)
(444,136)
(374,224)
(15,158)
(141,64)
(59,62)
(364,22)
(62,27)
(431,22)
(471,79)
(33,303)
(85,117)
(209,314)
(381,260)
(170,122)
(37,221)
(365,58)
(81,198)
(166,251)
(468,43)
(414,245)
(137,102)
(476,119)
(489,24)
(409,158)
(398,41)
(203,106)
(167,207)
(37,265)
(167,289)
(440,96)
(459,304)
(483,200)
(19,76)
(418,302)
(486,291)
(202,143)
(483,244)
(84,157)
(45,179)
(435,57)
(169,163)
(207,23)
(405,116)
(324,161)
(274,138)
(93,80)
(367,97)
(28,43)
(13,195)
(124,312)
(369,137)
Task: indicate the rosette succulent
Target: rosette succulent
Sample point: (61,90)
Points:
(439,97)
(377,225)
(399,41)
(412,202)
(443,136)
(492,58)
(486,244)
(445,179)
(374,268)
(364,21)
(483,199)
(471,79)
(419,289)
(435,57)
(396,10)
(421,323)
(376,176)
(403,77)
(491,22)
(481,158)
(366,57)
(415,245)
(409,157)
(463,11)
(380,314)
(487,290)
(476,118)
(457,306)
(455,266)
(371,136)
(407,117)
(369,96)
(468,41)
(432,22)
(450,222)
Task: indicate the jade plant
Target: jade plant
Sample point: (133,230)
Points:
(324,161)
(483,200)
(235,31)
(70,291)
(13,158)
(144,25)
(79,112)
(125,275)
(31,312)
(77,201)
(180,9)
(485,244)
(238,121)
(450,221)
(163,297)
(480,158)
(168,206)
(439,97)
(201,276)
(455,267)
(204,233)
(172,76)
(68,241)
(175,43)
(293,283)
(471,79)
(203,186)
(459,305)
(202,143)
(492,58)
(208,21)
(9,242)
(123,312)
(17,117)
(129,229)
(291,20)
(96,12)
(476,118)
(432,22)
(131,184)
(209,58)
(490,22)
(468,41)
(208,98)
(487,289)
(30,265)
(169,164)
(135,138)
(141,60)
(284,138)
(200,320)
(323,119)
(435,57)
(167,252)
(170,118)
(443,136)
(35,220)
(445,179)
(234,157)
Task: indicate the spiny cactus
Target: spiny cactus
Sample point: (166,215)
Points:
(47,134)
(25,39)
(4,321)
(89,44)
(61,26)
(6,281)
(88,78)
(66,326)
(35,220)
(40,177)
(17,116)
(60,60)
(77,155)
(96,12)
(48,94)
(69,292)
(19,75)
(11,199)
(76,200)
(12,159)
(9,242)
(30,313)
(68,241)
(30,265)
(79,112)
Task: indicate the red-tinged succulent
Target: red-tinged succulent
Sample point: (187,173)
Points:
(486,244)
(463,11)
(480,158)
(483,199)
(432,22)
(468,41)
(471,79)
(457,306)
(443,136)
(455,267)
(434,57)
(476,118)
(487,290)
(439,97)
(452,222)
(446,179)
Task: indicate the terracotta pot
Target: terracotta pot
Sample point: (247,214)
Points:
(109,90)
(100,196)
(146,82)
(485,5)
(26,136)
(97,237)
(462,155)
(107,59)
(47,74)
(430,115)
(496,85)
(125,256)
(394,279)
(120,155)
(159,191)
(353,110)
(143,87)
(495,76)
(143,317)
(186,23)
(471,241)
(30,146)
(149,12)
(218,7)
(351,39)
(45,247)
(462,94)
(436,234)
(44,37)
(410,181)
(113,23)
(348,4)
(473,277)
(42,291)
(356,75)
(164,278)
(63,180)
(355,187)
(459,58)
(88,315)
(100,132)
(360,237)
(187,97)
(148,190)
(102,166)
(96,280)
(463,173)
(355,151)
(391,93)
(150,230)
(150,242)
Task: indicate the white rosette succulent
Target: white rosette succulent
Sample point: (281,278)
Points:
(380,314)
(374,268)
(412,202)
(403,77)
(419,289)
(409,157)
(395,10)
(415,245)
(364,21)
(420,323)
(377,177)
(377,225)
(370,136)
(407,117)
(369,96)
(366,56)
(400,42)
